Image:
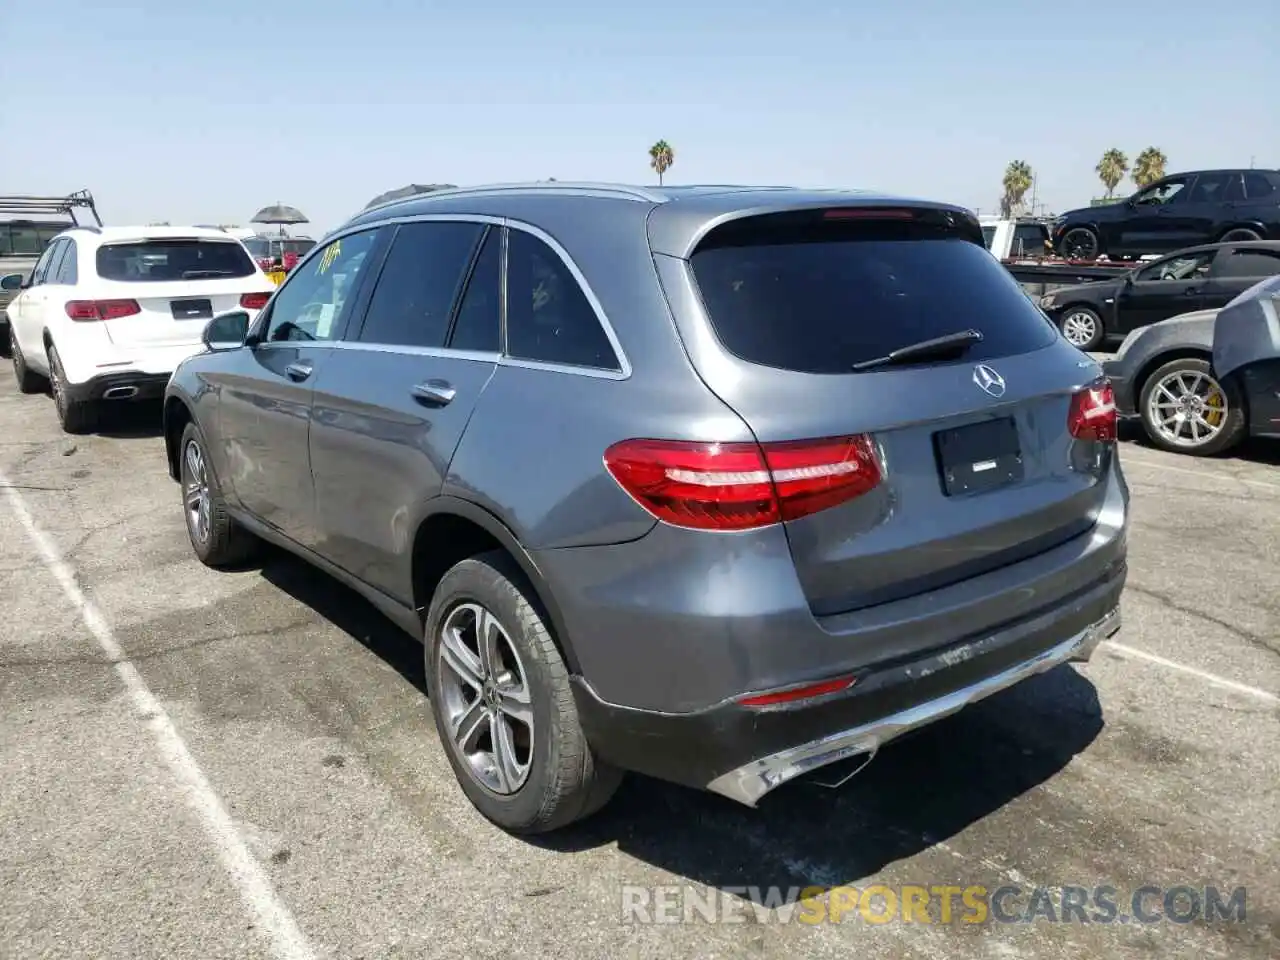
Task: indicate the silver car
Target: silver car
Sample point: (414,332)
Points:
(716,484)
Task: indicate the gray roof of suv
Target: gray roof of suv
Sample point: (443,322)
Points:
(678,216)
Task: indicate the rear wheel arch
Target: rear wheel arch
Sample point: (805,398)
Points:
(455,530)
(1158,360)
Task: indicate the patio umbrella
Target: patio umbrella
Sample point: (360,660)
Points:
(281,214)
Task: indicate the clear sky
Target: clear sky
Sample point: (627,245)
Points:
(194,111)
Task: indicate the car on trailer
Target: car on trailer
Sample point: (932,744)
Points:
(1177,211)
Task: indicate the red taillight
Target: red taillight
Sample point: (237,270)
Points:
(1093,413)
(87,310)
(254,301)
(793,694)
(867,213)
(740,486)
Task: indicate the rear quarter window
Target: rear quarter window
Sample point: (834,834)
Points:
(812,296)
(156,261)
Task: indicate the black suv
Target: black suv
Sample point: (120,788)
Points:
(1179,211)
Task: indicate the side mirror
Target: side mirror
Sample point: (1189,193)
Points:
(226,331)
(13,281)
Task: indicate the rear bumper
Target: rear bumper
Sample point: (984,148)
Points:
(1126,402)
(108,363)
(124,385)
(744,753)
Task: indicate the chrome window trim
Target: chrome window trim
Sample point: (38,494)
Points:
(484,356)
(622,372)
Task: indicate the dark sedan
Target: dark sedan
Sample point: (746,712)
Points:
(1198,278)
(1178,211)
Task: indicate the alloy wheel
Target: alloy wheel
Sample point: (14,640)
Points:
(1187,408)
(1080,328)
(486,698)
(1080,244)
(195,487)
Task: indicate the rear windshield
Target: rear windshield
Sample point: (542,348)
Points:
(819,296)
(159,260)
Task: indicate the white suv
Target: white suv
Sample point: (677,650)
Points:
(109,312)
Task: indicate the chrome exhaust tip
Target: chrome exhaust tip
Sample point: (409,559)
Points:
(119,393)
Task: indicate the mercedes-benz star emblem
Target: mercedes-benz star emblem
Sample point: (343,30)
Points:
(988,380)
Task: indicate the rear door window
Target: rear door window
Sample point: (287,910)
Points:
(40,271)
(478,325)
(800,293)
(419,283)
(68,269)
(1258,187)
(58,253)
(549,318)
(163,260)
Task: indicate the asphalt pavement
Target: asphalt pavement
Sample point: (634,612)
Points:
(201,764)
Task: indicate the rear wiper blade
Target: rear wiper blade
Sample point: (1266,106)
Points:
(199,274)
(945,346)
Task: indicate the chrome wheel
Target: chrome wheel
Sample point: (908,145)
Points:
(487,704)
(1187,408)
(1080,328)
(195,490)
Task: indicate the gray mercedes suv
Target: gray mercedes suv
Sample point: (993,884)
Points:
(716,484)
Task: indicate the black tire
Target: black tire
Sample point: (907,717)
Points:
(565,782)
(1085,246)
(1233,428)
(1075,318)
(76,416)
(1240,235)
(226,543)
(28,380)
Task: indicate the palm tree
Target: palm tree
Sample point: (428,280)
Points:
(661,157)
(1149,167)
(1111,169)
(1017,181)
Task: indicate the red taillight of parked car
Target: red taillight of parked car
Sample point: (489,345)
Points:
(1093,413)
(89,310)
(254,301)
(741,486)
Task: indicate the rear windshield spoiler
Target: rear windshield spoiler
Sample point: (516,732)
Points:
(679,229)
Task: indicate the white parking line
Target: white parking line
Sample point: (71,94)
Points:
(287,939)
(1128,460)
(1210,678)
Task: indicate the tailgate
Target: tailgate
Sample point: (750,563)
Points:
(172,314)
(162,291)
(979,466)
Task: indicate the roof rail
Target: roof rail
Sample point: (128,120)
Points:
(51,206)
(582,189)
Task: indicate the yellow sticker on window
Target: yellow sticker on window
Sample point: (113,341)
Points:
(328,258)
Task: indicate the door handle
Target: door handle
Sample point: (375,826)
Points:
(434,393)
(1190,291)
(298,371)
